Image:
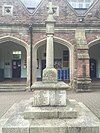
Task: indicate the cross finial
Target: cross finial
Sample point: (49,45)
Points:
(51,8)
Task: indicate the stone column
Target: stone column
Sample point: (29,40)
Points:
(28,68)
(49,52)
(83,82)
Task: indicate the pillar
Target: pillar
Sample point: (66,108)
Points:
(83,81)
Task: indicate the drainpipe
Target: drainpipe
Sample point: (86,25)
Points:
(31,36)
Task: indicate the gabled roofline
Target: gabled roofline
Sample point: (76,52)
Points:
(71,7)
(25,8)
(78,15)
(35,10)
(92,5)
(55,5)
(87,11)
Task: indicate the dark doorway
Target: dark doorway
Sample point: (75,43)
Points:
(92,68)
(16,68)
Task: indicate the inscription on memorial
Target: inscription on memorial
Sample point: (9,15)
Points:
(58,97)
(41,98)
(61,97)
(49,97)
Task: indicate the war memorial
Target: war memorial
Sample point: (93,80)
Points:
(49,110)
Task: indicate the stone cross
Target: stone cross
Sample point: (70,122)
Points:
(51,8)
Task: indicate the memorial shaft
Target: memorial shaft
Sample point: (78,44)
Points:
(50,22)
(50,52)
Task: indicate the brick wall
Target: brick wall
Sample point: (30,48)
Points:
(17,25)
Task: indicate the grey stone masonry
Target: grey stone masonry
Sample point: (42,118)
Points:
(85,122)
(50,113)
(50,73)
(49,92)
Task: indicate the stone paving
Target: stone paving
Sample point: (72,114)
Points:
(90,99)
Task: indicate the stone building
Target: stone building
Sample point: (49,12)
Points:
(76,41)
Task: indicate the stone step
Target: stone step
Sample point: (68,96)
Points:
(12,87)
(12,84)
(50,112)
(86,122)
(18,125)
(96,85)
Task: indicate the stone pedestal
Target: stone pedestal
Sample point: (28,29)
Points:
(49,98)
(49,94)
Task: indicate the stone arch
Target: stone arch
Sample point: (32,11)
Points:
(21,43)
(60,41)
(94,54)
(94,42)
(13,39)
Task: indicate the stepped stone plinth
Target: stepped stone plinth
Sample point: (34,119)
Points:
(50,113)
(75,118)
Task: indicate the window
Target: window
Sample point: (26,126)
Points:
(80,4)
(87,5)
(81,1)
(65,58)
(74,5)
(88,0)
(16,54)
(65,55)
(74,0)
(7,10)
(31,4)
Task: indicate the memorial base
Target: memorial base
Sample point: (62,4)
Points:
(49,94)
(15,122)
(50,113)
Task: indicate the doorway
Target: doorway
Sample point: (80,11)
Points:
(92,68)
(16,68)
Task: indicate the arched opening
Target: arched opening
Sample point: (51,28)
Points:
(13,60)
(94,53)
(63,59)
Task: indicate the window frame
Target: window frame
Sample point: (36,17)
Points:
(5,13)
